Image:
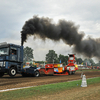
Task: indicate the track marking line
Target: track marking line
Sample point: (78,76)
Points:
(35,86)
(15,88)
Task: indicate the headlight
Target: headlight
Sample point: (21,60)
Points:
(4,63)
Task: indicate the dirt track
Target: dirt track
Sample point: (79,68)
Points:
(7,82)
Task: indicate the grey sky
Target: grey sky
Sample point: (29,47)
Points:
(14,13)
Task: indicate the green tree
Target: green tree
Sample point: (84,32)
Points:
(51,57)
(28,54)
(85,61)
(89,62)
(79,60)
(92,62)
(66,59)
(63,59)
(76,60)
(97,64)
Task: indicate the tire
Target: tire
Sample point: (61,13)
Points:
(12,71)
(1,74)
(70,72)
(37,74)
(73,72)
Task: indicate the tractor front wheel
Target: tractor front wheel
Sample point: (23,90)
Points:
(70,72)
(37,74)
(73,72)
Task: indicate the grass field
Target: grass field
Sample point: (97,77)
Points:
(87,70)
(44,90)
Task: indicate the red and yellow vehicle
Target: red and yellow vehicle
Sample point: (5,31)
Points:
(59,69)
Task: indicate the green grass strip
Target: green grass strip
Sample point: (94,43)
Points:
(44,89)
(85,70)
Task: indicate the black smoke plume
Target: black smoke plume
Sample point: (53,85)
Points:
(65,30)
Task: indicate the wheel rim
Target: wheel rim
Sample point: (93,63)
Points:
(13,71)
(37,74)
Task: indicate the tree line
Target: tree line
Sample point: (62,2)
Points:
(53,57)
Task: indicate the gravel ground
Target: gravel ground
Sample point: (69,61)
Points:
(7,82)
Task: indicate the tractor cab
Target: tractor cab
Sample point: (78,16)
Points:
(71,59)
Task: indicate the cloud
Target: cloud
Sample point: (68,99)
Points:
(41,48)
(14,13)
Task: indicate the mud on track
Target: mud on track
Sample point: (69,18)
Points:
(7,82)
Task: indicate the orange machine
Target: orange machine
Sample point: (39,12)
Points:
(59,69)
(72,66)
